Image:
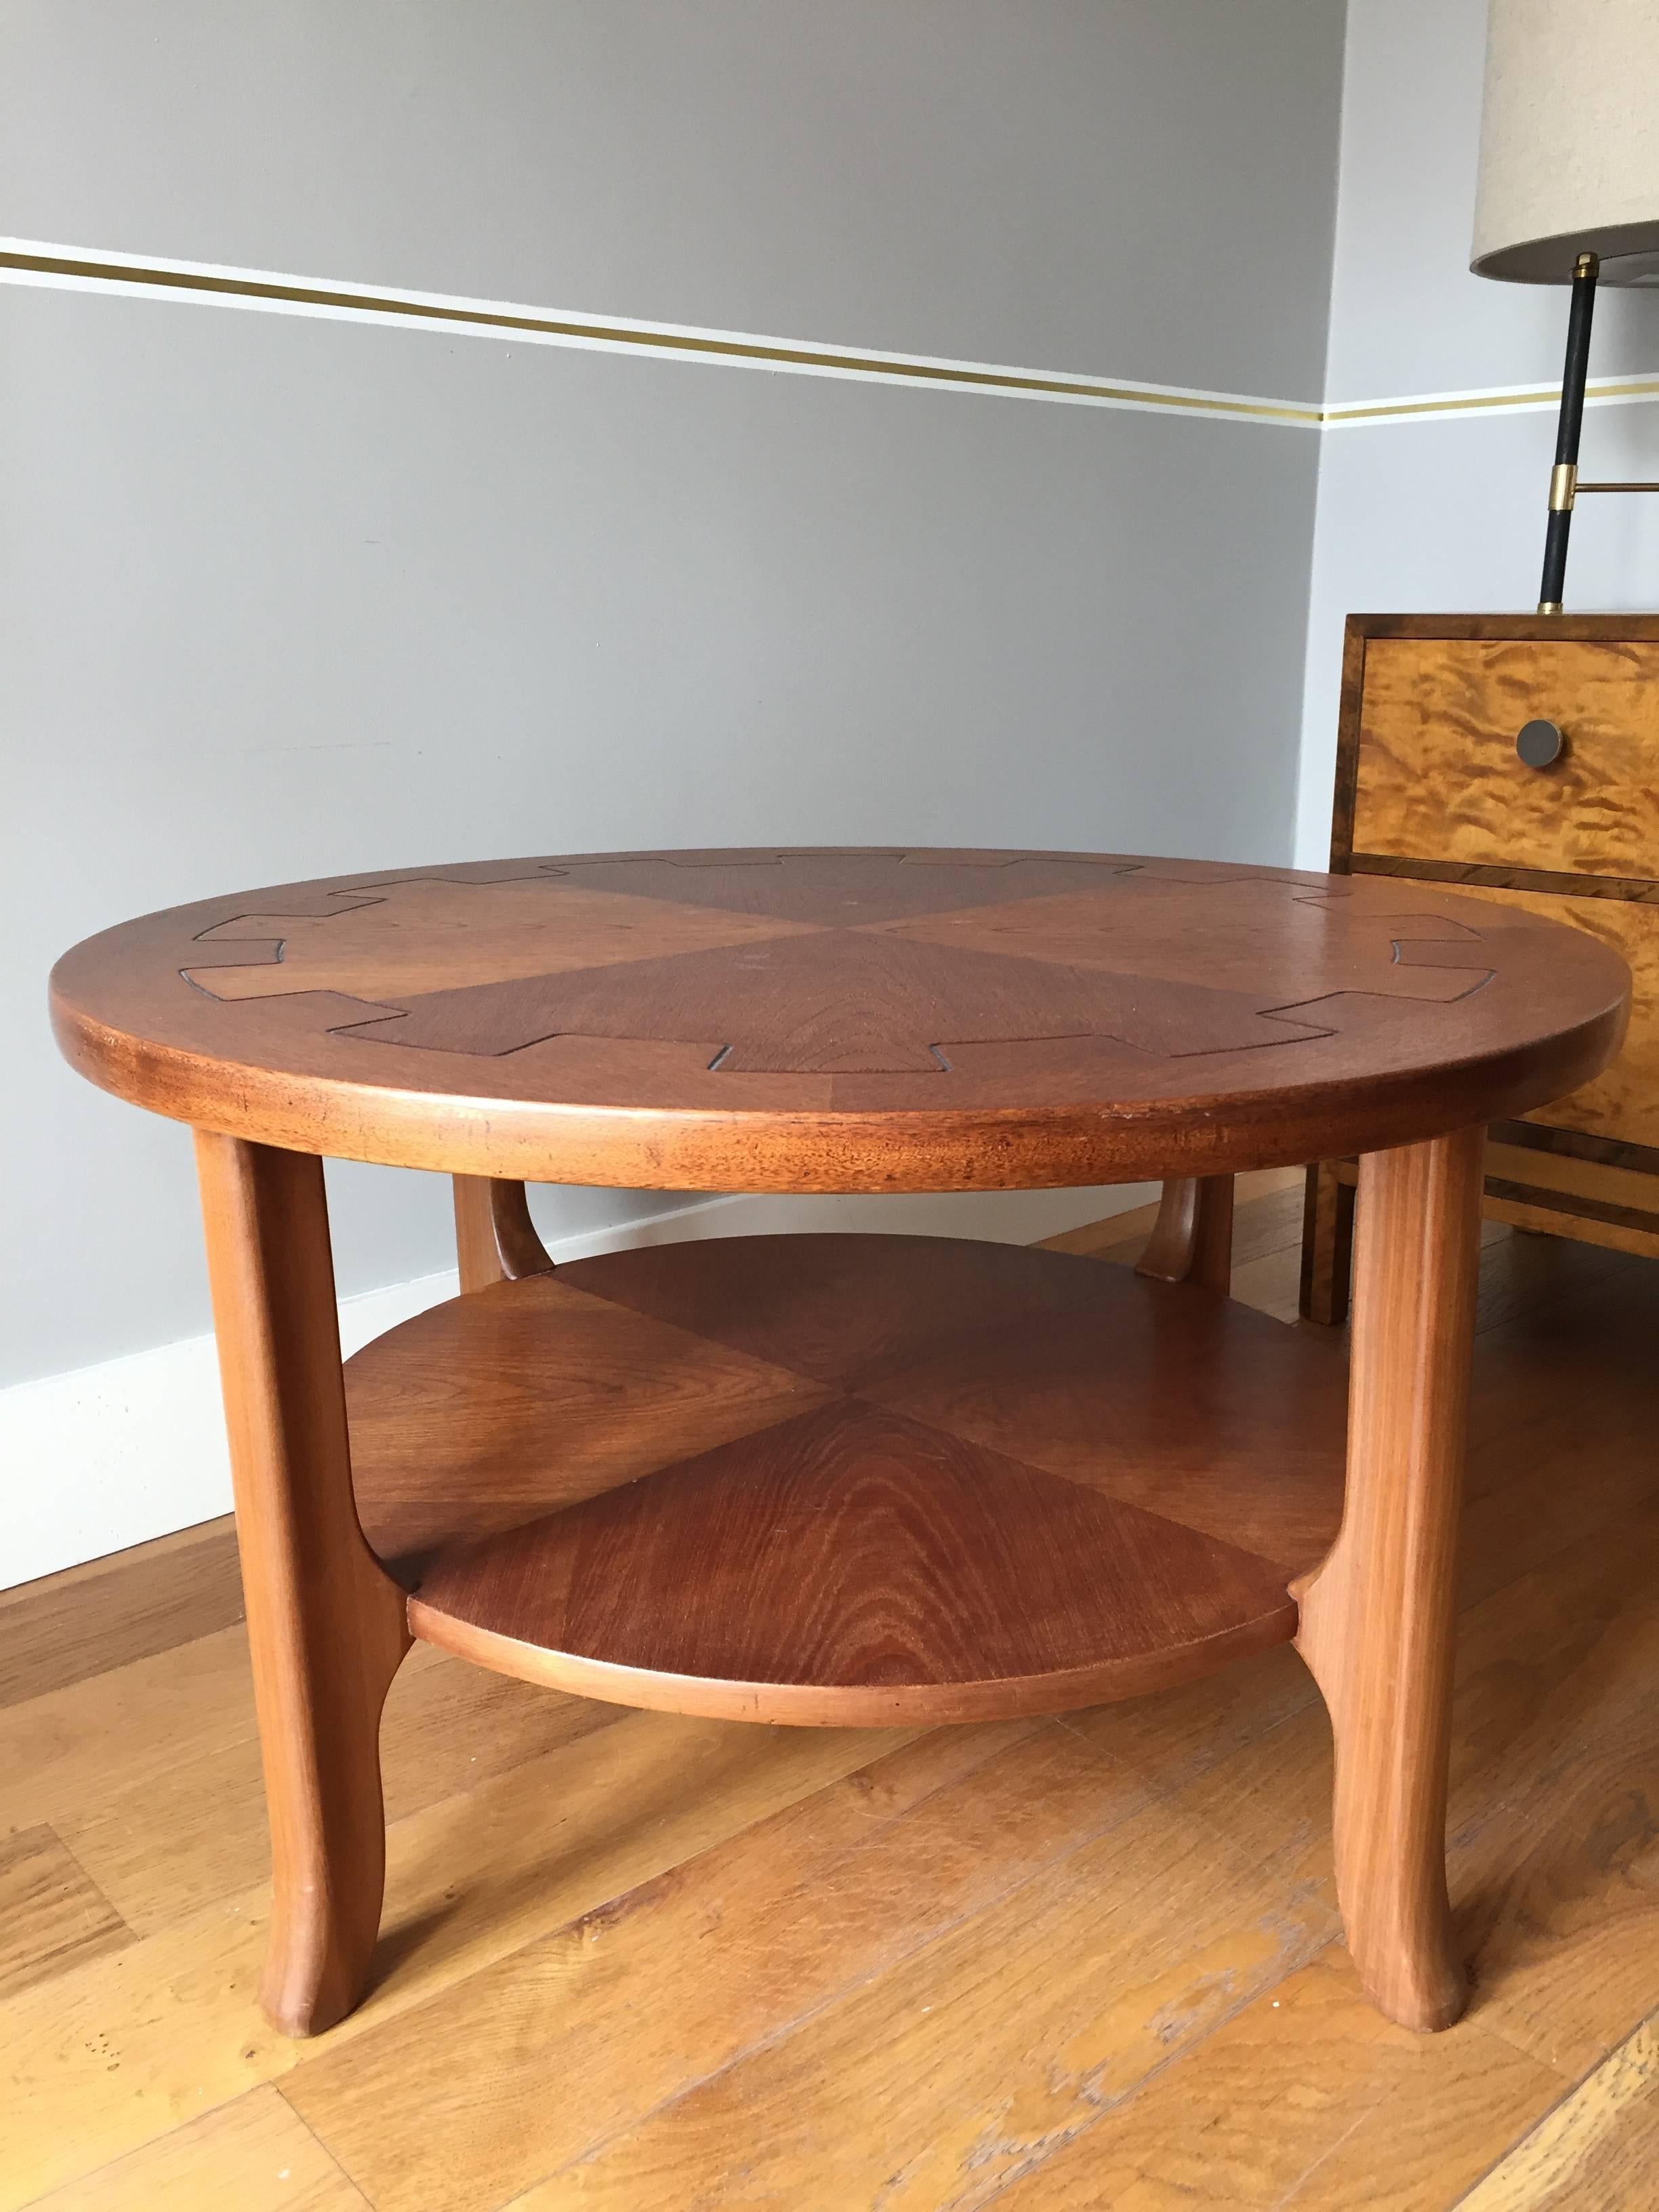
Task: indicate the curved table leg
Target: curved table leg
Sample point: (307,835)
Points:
(326,1626)
(1377,1614)
(495,1239)
(1192,1239)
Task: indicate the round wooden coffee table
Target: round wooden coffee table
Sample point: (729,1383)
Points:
(836,1478)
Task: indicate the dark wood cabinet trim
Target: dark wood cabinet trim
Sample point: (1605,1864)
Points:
(1570,630)
(1347,744)
(1566,1201)
(1500,876)
(1578,1144)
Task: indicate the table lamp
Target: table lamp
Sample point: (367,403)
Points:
(1569,188)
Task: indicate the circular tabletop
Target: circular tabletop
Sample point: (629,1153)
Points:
(829,1020)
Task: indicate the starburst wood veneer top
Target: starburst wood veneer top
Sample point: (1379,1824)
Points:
(840,983)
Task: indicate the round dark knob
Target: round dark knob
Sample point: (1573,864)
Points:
(1541,745)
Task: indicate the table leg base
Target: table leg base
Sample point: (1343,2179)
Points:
(326,1627)
(1376,1625)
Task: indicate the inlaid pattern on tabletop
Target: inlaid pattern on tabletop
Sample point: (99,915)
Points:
(941,1019)
(848,1479)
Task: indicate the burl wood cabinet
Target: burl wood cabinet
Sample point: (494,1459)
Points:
(1435,783)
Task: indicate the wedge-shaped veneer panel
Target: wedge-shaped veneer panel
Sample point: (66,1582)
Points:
(849,1480)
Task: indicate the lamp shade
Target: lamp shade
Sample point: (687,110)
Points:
(1569,141)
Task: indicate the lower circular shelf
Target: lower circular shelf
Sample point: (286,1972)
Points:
(848,1480)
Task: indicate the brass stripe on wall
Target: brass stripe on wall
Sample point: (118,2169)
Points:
(22,260)
(704,344)
(1530,398)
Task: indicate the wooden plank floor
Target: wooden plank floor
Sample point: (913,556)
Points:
(653,1965)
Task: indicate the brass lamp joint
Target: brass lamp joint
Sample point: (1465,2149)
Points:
(1564,487)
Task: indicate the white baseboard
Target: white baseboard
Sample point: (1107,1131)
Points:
(107,1456)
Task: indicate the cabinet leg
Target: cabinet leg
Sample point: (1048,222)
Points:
(495,1240)
(1327,1246)
(1377,1614)
(1192,1239)
(327,1625)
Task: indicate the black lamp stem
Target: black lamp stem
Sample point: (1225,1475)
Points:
(1563,477)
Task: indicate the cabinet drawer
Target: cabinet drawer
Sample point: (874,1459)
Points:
(1623,1101)
(1439,778)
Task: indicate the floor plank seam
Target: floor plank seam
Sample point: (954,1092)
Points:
(1539,2120)
(21,1705)
(780,2035)
(1297,1962)
(327,2148)
(1288,2196)
(363,2023)
(96,2173)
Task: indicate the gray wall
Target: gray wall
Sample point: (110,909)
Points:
(289,596)
(1447,513)
(1141,187)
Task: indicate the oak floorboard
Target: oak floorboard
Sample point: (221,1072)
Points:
(1596,2151)
(1551,1364)
(835,1889)
(1267,1213)
(1519,1274)
(67,1627)
(1517,1521)
(447,1728)
(987,2049)
(61,1753)
(51,1916)
(1258,1227)
(1553,1822)
(1180,1735)
(1366,2117)
(746,1924)
(110,2056)
(252,2153)
(1554,1872)
(166,1746)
